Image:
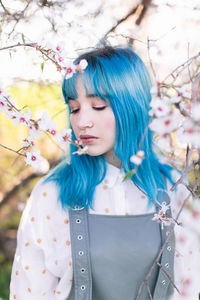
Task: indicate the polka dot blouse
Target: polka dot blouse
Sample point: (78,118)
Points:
(42,267)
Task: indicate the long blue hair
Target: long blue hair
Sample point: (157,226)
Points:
(118,75)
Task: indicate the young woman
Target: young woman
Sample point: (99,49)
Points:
(86,233)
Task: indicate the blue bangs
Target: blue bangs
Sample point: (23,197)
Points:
(116,75)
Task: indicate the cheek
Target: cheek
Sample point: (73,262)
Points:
(74,126)
(109,123)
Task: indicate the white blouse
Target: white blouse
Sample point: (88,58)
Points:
(42,267)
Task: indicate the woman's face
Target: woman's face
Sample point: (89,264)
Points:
(90,115)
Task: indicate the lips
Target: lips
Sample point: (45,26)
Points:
(86,136)
(88,139)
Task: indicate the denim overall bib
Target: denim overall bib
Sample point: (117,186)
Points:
(112,254)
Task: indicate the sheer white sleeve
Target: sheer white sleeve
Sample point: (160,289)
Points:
(187,251)
(42,267)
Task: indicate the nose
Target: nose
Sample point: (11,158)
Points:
(85,121)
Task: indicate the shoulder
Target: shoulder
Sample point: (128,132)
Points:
(44,199)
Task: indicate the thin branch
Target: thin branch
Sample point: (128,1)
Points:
(148,289)
(5,9)
(150,60)
(160,252)
(142,9)
(17,152)
(182,67)
(19,17)
(170,279)
(20,45)
(121,20)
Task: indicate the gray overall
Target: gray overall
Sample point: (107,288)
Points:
(112,254)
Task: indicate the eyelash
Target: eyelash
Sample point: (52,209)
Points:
(97,108)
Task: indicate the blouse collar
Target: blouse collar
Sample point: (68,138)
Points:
(113,173)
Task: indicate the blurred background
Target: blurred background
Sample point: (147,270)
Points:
(165,33)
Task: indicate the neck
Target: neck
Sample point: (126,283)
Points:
(113,161)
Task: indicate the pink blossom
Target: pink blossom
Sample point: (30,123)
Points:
(59,68)
(70,70)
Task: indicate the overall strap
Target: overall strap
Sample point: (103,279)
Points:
(80,254)
(163,286)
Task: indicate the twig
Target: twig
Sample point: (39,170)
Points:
(182,66)
(17,152)
(19,17)
(121,21)
(5,9)
(149,292)
(19,45)
(151,64)
(160,252)
(170,279)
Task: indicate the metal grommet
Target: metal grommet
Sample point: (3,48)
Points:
(78,221)
(167,265)
(81,253)
(79,237)
(82,270)
(169,248)
(163,282)
(83,287)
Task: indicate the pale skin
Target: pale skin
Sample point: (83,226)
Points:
(90,115)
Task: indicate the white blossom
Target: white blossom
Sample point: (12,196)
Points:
(163,142)
(166,124)
(160,107)
(195,112)
(184,91)
(162,216)
(45,123)
(83,64)
(33,158)
(137,158)
(81,151)
(34,131)
(64,137)
(189,133)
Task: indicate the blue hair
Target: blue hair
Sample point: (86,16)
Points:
(118,75)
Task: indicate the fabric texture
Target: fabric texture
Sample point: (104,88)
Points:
(42,267)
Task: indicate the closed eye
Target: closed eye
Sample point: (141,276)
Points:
(96,108)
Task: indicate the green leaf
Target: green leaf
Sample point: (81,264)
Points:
(42,66)
(10,53)
(23,39)
(128,175)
